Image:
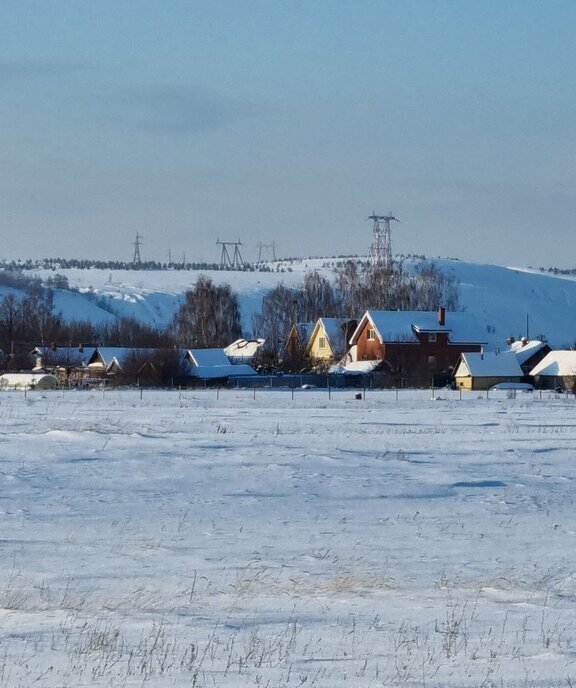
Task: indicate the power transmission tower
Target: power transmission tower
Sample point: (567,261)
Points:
(137,259)
(228,261)
(380,251)
(269,247)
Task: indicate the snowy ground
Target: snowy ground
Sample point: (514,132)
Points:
(185,539)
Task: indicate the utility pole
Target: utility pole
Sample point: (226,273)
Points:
(137,259)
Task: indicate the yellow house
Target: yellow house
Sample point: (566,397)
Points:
(329,339)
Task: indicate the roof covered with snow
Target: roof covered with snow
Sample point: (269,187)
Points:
(355,367)
(402,326)
(489,364)
(561,363)
(243,348)
(525,349)
(210,364)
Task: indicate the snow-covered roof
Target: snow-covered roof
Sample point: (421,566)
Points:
(304,330)
(334,332)
(355,367)
(525,349)
(402,326)
(561,363)
(110,353)
(243,348)
(209,364)
(65,354)
(489,364)
(208,357)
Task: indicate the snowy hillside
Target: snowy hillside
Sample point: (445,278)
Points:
(506,301)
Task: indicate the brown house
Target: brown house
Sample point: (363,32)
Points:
(415,346)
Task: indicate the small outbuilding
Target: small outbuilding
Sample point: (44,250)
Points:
(24,381)
(480,371)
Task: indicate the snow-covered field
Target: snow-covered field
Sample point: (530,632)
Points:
(198,538)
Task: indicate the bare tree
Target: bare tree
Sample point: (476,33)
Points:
(209,316)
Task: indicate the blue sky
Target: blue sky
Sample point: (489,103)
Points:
(288,122)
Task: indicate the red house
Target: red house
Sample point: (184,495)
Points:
(415,346)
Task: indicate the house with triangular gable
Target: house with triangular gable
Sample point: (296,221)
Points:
(329,339)
(414,346)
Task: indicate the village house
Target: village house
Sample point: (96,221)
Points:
(67,363)
(529,352)
(328,341)
(297,340)
(557,370)
(415,346)
(481,371)
(512,366)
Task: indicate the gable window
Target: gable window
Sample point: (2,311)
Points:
(321,342)
(371,334)
(432,337)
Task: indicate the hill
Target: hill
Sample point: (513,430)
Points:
(506,301)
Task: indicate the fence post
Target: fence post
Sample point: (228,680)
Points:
(292,390)
(254,392)
(217,392)
(396,388)
(328,383)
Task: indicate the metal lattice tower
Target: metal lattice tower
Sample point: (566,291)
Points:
(228,261)
(380,251)
(137,259)
(271,248)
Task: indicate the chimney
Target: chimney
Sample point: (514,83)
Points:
(81,348)
(441,316)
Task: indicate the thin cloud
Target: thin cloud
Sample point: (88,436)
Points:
(185,110)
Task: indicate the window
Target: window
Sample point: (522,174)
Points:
(431,363)
(432,337)
(371,334)
(321,342)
